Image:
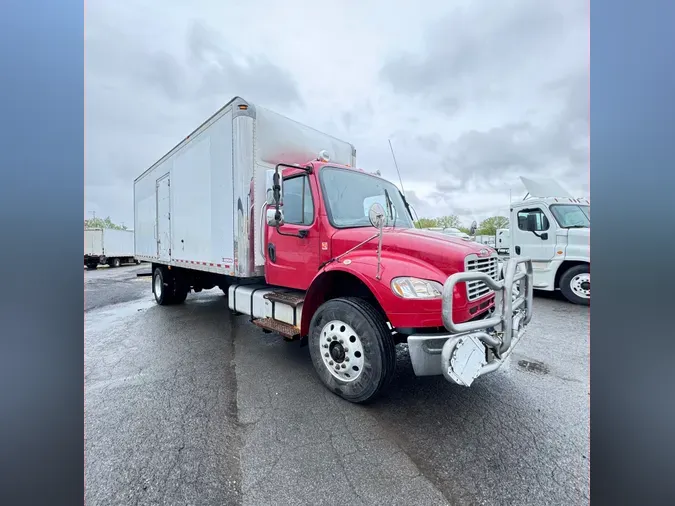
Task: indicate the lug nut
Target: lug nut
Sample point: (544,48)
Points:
(325,354)
(346,359)
(342,341)
(344,366)
(346,350)
(325,346)
(330,363)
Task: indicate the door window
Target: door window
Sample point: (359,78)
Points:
(298,203)
(541,219)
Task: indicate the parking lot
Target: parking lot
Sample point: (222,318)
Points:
(191,405)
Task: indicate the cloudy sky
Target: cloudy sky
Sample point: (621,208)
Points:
(472,93)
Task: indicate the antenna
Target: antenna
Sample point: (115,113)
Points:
(396,165)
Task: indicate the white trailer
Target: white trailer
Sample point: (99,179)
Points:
(108,246)
(200,206)
(488,240)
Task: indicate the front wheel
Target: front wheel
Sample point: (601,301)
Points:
(575,284)
(352,349)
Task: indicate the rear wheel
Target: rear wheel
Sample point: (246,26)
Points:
(115,262)
(575,284)
(160,288)
(352,349)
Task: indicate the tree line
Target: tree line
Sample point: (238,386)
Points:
(488,226)
(103,223)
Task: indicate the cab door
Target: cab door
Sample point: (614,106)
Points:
(540,244)
(292,251)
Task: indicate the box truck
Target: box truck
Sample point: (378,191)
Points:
(553,229)
(107,246)
(277,215)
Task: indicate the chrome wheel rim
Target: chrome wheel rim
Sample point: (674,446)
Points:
(341,350)
(581,285)
(158,286)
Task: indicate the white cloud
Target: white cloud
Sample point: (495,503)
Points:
(472,93)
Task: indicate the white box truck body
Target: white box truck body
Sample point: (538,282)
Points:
(200,206)
(108,246)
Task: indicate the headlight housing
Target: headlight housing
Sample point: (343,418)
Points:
(415,288)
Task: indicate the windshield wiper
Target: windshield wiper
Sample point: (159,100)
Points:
(578,226)
(390,205)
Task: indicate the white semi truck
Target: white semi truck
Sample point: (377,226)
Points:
(107,246)
(553,229)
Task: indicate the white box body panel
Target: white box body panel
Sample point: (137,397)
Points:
(93,242)
(109,242)
(216,186)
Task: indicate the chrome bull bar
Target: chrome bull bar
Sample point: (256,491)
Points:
(464,353)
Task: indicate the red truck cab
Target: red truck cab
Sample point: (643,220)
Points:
(352,276)
(325,214)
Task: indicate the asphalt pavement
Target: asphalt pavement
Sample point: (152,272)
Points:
(191,405)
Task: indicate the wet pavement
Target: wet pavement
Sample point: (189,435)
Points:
(190,405)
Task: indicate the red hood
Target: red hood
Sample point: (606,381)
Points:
(445,252)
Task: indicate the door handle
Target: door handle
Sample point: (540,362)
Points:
(517,250)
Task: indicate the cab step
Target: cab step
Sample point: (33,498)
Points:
(270,324)
(292,299)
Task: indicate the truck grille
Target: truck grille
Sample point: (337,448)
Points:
(477,289)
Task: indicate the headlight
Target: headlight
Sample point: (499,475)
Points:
(414,288)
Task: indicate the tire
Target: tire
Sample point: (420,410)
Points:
(115,262)
(181,292)
(162,288)
(91,267)
(575,284)
(361,327)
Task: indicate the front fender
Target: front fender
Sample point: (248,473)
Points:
(363,266)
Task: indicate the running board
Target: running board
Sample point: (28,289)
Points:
(289,298)
(287,331)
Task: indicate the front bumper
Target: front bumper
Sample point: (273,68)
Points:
(470,350)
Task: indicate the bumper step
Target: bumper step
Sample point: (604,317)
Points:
(286,330)
(288,298)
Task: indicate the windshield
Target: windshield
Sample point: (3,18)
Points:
(572,216)
(349,195)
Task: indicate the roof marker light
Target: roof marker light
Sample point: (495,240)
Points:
(323,156)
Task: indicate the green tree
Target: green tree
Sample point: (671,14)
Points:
(451,221)
(490,225)
(103,223)
(426,223)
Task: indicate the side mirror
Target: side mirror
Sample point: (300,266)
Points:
(376,215)
(271,218)
(269,184)
(472,229)
(531,223)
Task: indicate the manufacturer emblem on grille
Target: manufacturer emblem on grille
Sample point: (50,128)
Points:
(483,253)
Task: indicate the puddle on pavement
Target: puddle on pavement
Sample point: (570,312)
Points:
(533,366)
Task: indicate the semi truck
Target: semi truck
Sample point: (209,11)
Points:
(553,229)
(278,216)
(107,246)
